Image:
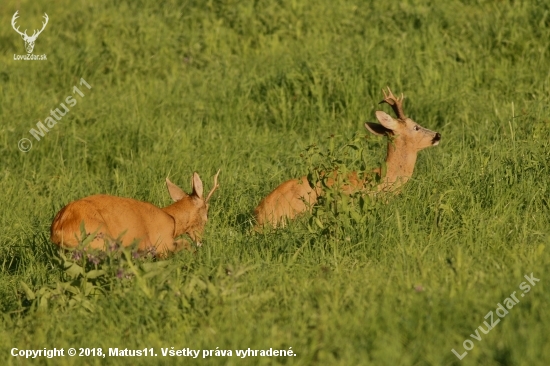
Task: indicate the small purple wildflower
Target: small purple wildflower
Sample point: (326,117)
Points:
(94,259)
(113,246)
(151,250)
(76,255)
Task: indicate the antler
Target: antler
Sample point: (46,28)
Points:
(216,186)
(24,34)
(43,26)
(395,103)
(15,16)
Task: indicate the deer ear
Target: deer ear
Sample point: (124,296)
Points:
(386,120)
(175,192)
(197,185)
(377,129)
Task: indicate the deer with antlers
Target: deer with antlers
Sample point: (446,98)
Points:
(157,229)
(29,41)
(406,139)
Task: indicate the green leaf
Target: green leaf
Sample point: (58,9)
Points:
(28,292)
(73,290)
(89,239)
(319,223)
(355,216)
(95,273)
(152,266)
(74,270)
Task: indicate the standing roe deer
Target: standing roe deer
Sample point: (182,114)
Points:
(406,139)
(156,228)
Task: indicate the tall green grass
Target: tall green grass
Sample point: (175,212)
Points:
(245,87)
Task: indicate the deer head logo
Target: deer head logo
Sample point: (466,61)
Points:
(29,41)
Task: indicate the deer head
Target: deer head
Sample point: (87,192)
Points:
(403,129)
(407,138)
(190,211)
(29,40)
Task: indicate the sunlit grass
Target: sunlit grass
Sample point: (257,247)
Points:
(245,88)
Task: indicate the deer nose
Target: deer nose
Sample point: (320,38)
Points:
(437,137)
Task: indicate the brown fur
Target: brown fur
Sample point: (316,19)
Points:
(112,217)
(406,139)
(296,196)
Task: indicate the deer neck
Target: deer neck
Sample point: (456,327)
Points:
(400,161)
(180,215)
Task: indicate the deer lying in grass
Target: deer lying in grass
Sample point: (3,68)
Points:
(111,217)
(406,139)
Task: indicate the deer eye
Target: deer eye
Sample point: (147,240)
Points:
(416,128)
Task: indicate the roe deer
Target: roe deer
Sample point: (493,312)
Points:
(406,139)
(111,217)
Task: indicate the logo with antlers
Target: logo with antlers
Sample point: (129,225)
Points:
(29,40)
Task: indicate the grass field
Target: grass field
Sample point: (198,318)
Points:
(246,87)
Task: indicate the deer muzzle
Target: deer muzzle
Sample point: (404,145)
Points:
(436,139)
